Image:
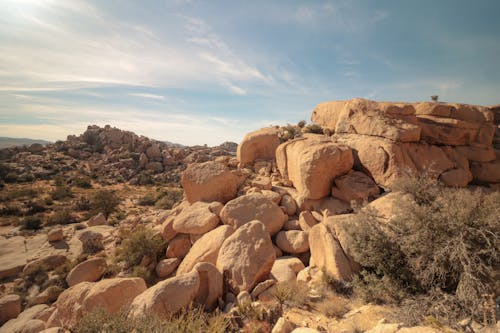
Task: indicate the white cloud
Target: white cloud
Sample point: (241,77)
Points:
(149,96)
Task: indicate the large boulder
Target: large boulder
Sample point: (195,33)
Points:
(354,186)
(196,219)
(209,181)
(211,285)
(205,249)
(10,307)
(246,257)
(292,241)
(285,269)
(260,144)
(254,206)
(327,254)
(166,297)
(31,320)
(312,163)
(90,270)
(394,121)
(111,295)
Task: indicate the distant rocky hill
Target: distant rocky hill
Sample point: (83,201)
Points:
(6,142)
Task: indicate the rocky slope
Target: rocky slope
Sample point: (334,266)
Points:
(251,225)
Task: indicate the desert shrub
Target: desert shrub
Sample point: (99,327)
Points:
(59,180)
(333,306)
(144,178)
(83,182)
(35,274)
(31,223)
(139,243)
(104,201)
(445,239)
(61,192)
(11,177)
(338,286)
(168,197)
(20,193)
(12,209)
(36,206)
(144,273)
(301,124)
(294,294)
(289,132)
(62,216)
(313,128)
(375,288)
(82,203)
(189,320)
(147,200)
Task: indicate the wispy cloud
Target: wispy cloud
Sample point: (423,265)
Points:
(149,96)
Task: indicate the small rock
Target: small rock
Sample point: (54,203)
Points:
(55,235)
(166,267)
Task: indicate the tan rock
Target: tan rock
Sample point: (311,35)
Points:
(166,297)
(354,186)
(292,241)
(289,203)
(48,262)
(211,284)
(486,172)
(291,225)
(10,307)
(261,287)
(394,121)
(326,253)
(246,257)
(167,228)
(165,267)
(178,246)
(305,330)
(477,154)
(262,183)
(98,219)
(312,164)
(111,295)
(90,270)
(271,195)
(286,268)
(253,206)
(282,326)
(306,220)
(55,234)
(260,144)
(209,181)
(196,219)
(205,249)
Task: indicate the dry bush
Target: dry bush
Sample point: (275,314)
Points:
(167,198)
(333,306)
(446,239)
(139,243)
(289,132)
(104,201)
(63,216)
(293,294)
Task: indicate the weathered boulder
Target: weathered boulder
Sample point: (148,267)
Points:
(31,320)
(292,241)
(98,219)
(285,269)
(48,262)
(167,228)
(253,206)
(178,246)
(196,219)
(112,295)
(327,254)
(209,181)
(211,285)
(55,234)
(394,121)
(260,144)
(10,307)
(166,297)
(166,267)
(307,220)
(488,172)
(205,249)
(90,270)
(354,186)
(313,163)
(289,204)
(246,257)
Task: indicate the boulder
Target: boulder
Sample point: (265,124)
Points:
(166,297)
(282,326)
(98,219)
(48,262)
(253,206)
(111,295)
(211,285)
(246,257)
(209,181)
(327,254)
(312,164)
(167,228)
(307,220)
(165,267)
(178,246)
(289,204)
(10,307)
(205,249)
(394,121)
(196,219)
(90,270)
(488,172)
(286,268)
(354,186)
(55,234)
(292,241)
(291,225)
(260,144)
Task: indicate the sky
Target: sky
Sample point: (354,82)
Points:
(205,72)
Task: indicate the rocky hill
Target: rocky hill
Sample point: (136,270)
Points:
(6,142)
(379,217)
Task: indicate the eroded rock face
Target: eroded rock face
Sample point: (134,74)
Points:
(354,186)
(246,257)
(209,181)
(253,206)
(167,297)
(260,144)
(312,163)
(111,295)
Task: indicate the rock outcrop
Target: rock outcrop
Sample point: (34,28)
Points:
(260,144)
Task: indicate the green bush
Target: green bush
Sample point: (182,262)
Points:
(139,243)
(144,178)
(104,201)
(12,209)
(144,273)
(313,128)
(11,177)
(83,182)
(61,192)
(168,197)
(62,216)
(445,239)
(24,193)
(147,200)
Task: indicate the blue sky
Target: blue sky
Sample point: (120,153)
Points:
(198,72)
